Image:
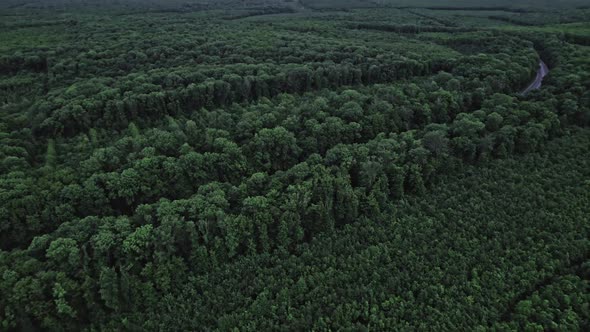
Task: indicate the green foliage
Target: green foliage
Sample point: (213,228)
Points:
(288,165)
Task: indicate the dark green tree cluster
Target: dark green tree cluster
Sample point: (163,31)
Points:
(197,171)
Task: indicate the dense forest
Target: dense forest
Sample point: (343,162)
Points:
(293,165)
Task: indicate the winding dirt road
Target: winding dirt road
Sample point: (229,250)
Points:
(541,73)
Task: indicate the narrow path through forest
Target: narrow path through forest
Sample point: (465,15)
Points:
(536,83)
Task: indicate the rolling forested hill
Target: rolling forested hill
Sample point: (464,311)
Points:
(294,165)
